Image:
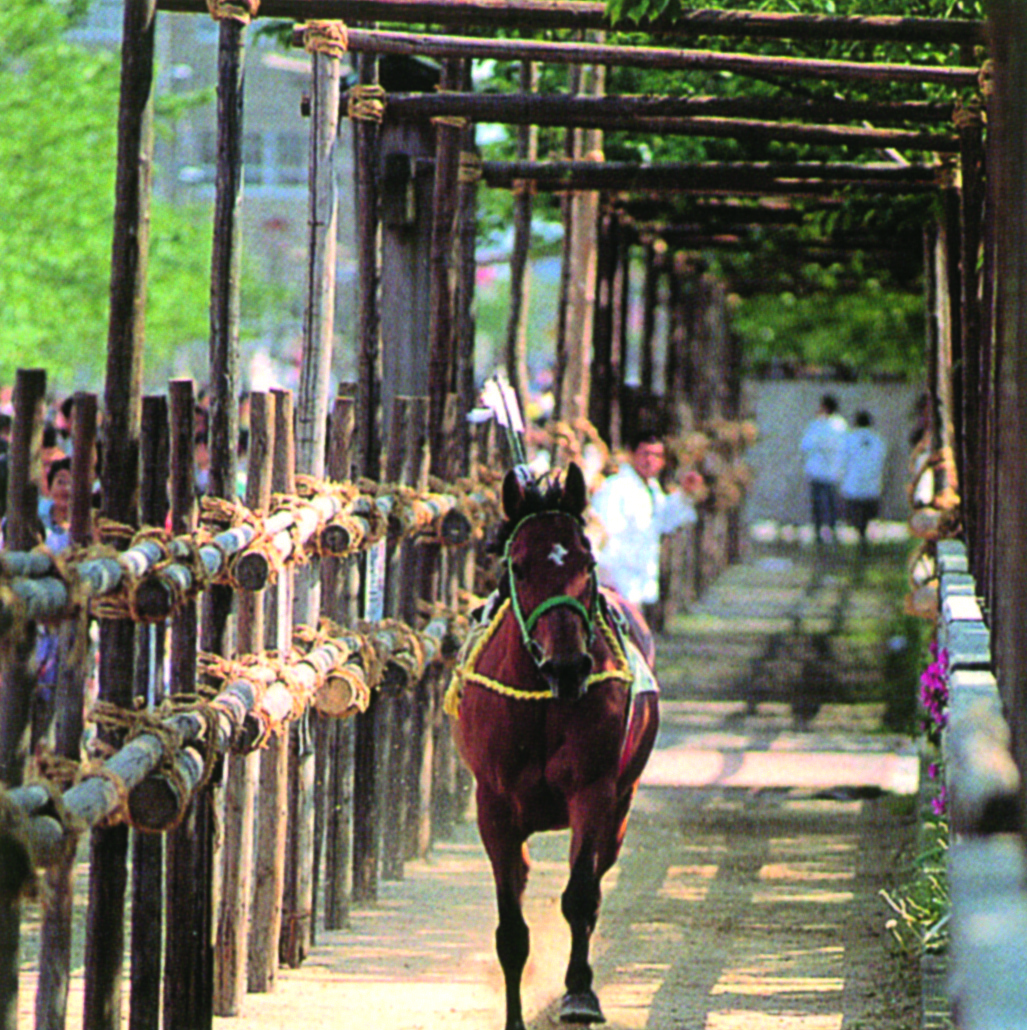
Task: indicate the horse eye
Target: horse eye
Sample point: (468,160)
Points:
(517,568)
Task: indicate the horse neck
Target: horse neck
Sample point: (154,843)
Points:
(506,659)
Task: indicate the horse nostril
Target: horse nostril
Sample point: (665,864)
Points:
(566,677)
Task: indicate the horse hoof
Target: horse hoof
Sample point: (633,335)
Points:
(582,1007)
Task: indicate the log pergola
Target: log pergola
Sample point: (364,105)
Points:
(976,320)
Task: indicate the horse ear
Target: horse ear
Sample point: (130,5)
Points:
(575,493)
(513,494)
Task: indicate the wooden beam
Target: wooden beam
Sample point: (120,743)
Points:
(560,109)
(715,177)
(440,47)
(627,114)
(581,14)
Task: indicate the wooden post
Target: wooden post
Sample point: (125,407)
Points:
(368,461)
(602,384)
(441,366)
(463,384)
(56,931)
(584,217)
(22,534)
(650,301)
(148,848)
(971,209)
(1008,31)
(243,771)
(273,792)
(562,357)
(619,343)
(226,261)
(520,269)
(188,975)
(18,681)
(326,42)
(335,576)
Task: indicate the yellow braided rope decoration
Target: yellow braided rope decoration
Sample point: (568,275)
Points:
(365,102)
(475,644)
(330,38)
(450,121)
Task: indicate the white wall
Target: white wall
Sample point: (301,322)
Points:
(783,408)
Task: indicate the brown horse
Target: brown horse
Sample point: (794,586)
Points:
(556,713)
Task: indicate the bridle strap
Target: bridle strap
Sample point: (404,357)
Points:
(557,601)
(526,625)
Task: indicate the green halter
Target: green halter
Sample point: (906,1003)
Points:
(526,625)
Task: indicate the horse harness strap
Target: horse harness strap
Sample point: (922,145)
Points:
(527,624)
(479,637)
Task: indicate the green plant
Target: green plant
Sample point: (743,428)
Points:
(920,905)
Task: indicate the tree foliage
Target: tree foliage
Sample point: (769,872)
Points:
(799,303)
(58,149)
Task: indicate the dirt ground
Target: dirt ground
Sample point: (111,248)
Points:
(747,896)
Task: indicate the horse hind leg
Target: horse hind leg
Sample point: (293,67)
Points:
(580,906)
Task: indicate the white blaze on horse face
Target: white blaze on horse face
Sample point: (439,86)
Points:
(557,554)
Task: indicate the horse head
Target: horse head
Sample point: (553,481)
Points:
(550,576)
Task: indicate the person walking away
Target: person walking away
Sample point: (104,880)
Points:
(634,511)
(863,456)
(822,450)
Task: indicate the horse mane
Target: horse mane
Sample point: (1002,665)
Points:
(541,495)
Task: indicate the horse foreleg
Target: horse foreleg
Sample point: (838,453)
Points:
(580,907)
(507,853)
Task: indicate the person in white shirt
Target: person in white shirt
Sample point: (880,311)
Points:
(822,449)
(863,456)
(634,512)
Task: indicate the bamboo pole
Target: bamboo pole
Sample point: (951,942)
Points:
(530,15)
(243,770)
(148,849)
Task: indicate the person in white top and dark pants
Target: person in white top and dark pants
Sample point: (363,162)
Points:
(863,456)
(822,450)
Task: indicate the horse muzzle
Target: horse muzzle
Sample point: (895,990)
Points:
(567,677)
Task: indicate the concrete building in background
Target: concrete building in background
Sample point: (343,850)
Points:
(275,191)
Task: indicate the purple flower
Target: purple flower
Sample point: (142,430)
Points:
(934,693)
(939,804)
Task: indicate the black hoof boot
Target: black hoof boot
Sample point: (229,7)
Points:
(581,1007)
